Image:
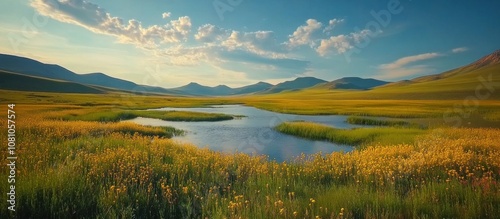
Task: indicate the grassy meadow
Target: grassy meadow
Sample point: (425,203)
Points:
(76,161)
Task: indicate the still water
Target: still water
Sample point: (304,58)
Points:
(253,134)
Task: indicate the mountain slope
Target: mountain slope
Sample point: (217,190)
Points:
(479,80)
(20,82)
(220,90)
(485,61)
(353,83)
(260,86)
(465,84)
(297,84)
(197,90)
(32,67)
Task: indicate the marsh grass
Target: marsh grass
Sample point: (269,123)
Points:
(382,122)
(118,115)
(446,173)
(88,169)
(355,137)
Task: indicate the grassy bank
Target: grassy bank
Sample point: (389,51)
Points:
(360,136)
(382,122)
(446,173)
(118,115)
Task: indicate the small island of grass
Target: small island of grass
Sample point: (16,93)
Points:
(118,115)
(355,137)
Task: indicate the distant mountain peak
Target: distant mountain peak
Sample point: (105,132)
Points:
(493,58)
(263,83)
(307,78)
(355,83)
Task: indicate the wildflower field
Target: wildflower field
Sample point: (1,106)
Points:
(90,169)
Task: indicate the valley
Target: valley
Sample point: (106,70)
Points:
(306,148)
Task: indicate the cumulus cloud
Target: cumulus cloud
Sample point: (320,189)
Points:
(340,43)
(187,56)
(166,15)
(331,24)
(304,34)
(98,20)
(262,43)
(209,33)
(459,50)
(402,67)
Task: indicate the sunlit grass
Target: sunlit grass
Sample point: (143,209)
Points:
(118,115)
(88,169)
(356,137)
(382,122)
(444,173)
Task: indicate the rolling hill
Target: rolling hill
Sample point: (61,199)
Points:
(480,79)
(453,84)
(14,81)
(297,84)
(353,83)
(220,90)
(260,86)
(201,90)
(30,67)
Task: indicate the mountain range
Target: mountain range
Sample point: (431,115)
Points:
(98,82)
(19,73)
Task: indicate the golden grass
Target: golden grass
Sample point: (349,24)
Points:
(451,173)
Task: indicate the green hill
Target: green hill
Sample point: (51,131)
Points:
(14,81)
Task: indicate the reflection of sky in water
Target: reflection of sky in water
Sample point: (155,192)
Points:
(253,134)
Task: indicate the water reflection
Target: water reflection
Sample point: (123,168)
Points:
(253,134)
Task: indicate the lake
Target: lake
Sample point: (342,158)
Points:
(253,134)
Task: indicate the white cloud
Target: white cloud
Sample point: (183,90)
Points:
(401,67)
(358,37)
(409,59)
(166,15)
(209,33)
(340,43)
(459,50)
(98,20)
(262,43)
(304,34)
(331,24)
(185,56)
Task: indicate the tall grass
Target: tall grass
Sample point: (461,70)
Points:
(118,115)
(356,137)
(89,170)
(381,122)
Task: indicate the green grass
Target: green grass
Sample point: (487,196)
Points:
(356,137)
(14,81)
(382,122)
(125,170)
(118,115)
(124,176)
(162,131)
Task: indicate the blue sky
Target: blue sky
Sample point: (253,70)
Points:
(170,43)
